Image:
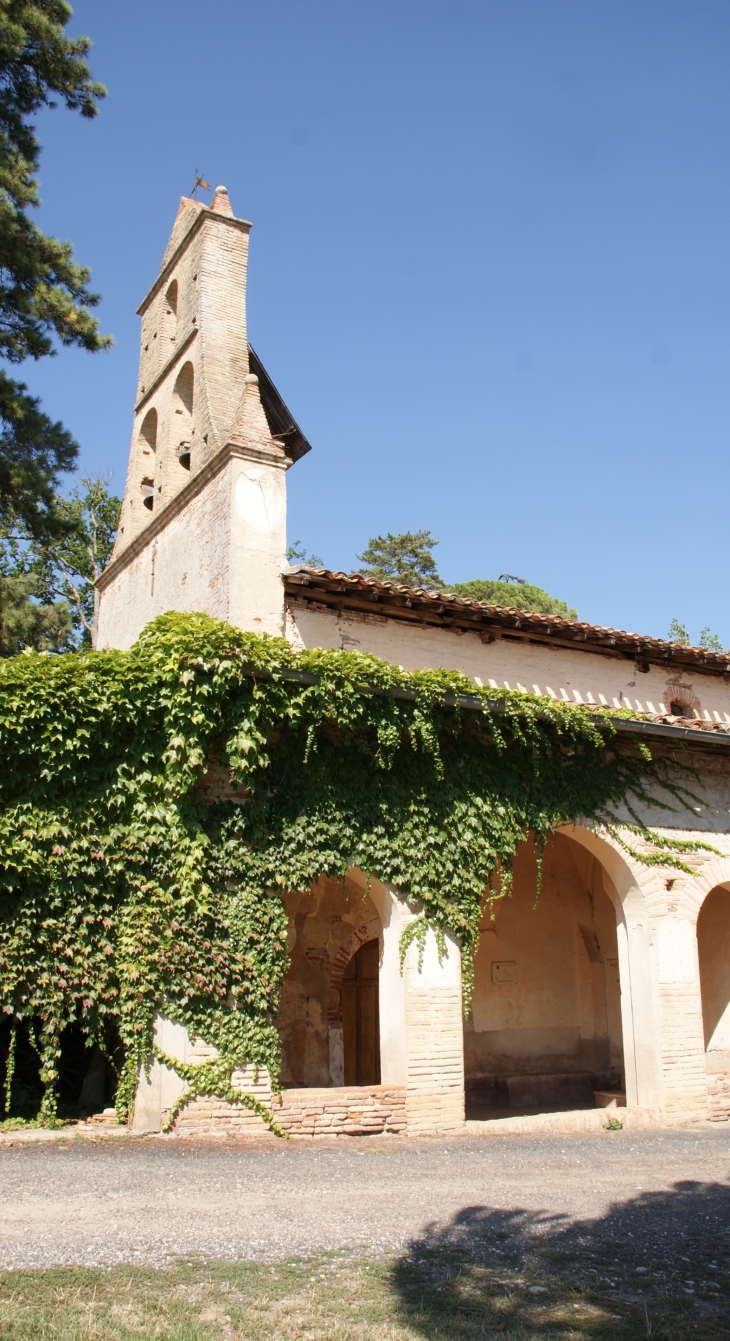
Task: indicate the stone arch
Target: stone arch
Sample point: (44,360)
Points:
(712,869)
(181,414)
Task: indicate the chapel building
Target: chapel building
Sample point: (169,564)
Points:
(615,988)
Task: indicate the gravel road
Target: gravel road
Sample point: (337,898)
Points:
(153,1199)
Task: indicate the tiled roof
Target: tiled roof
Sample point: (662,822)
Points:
(440,609)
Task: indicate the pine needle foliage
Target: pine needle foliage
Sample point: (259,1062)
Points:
(123,893)
(406,558)
(522,596)
(44,293)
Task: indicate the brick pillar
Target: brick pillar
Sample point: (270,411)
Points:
(680,1010)
(435,1040)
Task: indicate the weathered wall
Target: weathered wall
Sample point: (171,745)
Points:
(219,547)
(576,677)
(545,1023)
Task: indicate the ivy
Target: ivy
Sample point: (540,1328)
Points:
(125,892)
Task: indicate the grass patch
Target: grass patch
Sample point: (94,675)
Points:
(516,1290)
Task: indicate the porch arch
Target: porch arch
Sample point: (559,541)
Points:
(638,977)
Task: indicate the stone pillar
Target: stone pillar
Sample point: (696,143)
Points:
(394,913)
(434,1040)
(158,1088)
(639,1003)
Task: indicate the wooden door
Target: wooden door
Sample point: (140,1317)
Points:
(360,1017)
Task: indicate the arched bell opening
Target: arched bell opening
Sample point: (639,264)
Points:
(713,945)
(545,1031)
(147,489)
(181,417)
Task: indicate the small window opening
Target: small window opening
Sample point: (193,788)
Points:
(678,709)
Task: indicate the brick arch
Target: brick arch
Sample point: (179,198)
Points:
(335,968)
(683,695)
(713,874)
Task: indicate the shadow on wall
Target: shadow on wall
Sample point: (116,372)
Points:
(655,1265)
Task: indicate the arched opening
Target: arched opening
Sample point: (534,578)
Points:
(361,1016)
(544,1031)
(147,439)
(682,700)
(169,320)
(181,419)
(327,928)
(713,945)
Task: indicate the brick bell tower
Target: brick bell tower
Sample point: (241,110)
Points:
(203,522)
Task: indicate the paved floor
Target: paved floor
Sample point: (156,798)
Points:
(149,1200)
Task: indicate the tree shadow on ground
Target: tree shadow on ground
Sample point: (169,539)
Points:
(656,1265)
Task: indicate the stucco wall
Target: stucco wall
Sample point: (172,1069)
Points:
(576,677)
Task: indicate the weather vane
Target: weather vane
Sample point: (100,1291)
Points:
(199,181)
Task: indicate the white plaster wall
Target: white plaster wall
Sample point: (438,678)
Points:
(573,676)
(257,546)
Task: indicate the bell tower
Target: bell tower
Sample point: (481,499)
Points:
(203,521)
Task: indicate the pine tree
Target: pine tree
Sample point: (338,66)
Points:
(404,558)
(44,295)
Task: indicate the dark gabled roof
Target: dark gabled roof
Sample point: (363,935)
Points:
(421,606)
(280,420)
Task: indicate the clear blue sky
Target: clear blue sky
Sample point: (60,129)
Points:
(489,273)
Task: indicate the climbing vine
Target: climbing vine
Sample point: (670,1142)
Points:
(126,891)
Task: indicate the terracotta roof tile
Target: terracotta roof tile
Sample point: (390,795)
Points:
(421,605)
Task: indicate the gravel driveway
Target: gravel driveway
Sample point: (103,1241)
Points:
(150,1200)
